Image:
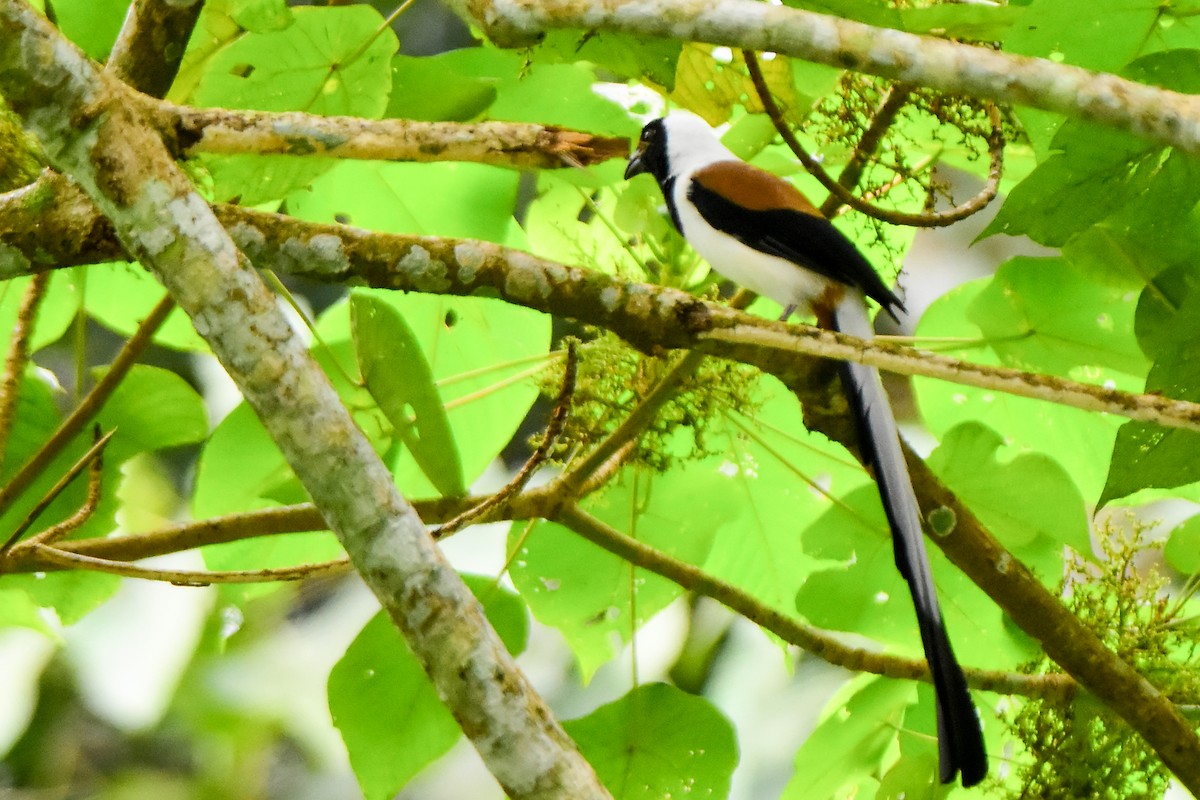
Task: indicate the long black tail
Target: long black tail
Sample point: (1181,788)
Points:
(960,740)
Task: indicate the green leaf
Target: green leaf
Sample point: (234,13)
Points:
(1182,550)
(1019,500)
(658,742)
(1112,35)
(239,468)
(18,609)
(1080,441)
(473,201)
(852,741)
(153,409)
(585,592)
(384,706)
(120,295)
(478,349)
(1022,315)
(91,24)
(333,61)
(967,21)
(429,88)
(401,381)
(1168,311)
(55,314)
(1149,456)
(624,55)
(1093,172)
(865,593)
(773,474)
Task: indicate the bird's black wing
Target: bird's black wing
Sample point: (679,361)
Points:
(805,239)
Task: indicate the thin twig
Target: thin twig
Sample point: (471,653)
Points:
(190,577)
(18,355)
(95,483)
(789,629)
(558,418)
(93,452)
(839,190)
(88,407)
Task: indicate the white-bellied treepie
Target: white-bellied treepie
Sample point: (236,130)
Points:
(760,231)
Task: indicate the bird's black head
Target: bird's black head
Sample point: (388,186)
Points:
(651,153)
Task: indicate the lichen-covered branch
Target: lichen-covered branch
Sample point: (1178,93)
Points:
(521,145)
(151,43)
(92,132)
(648,316)
(1164,116)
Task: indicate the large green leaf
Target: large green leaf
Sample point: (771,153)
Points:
(779,479)
(91,24)
(1149,456)
(1182,550)
(595,599)
(1022,314)
(467,200)
(1027,501)
(478,348)
(240,467)
(333,61)
(852,742)
(1080,441)
(386,709)
(624,55)
(865,593)
(1093,171)
(55,313)
(401,381)
(658,742)
(120,295)
(1104,36)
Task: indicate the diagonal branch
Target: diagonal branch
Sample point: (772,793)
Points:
(91,131)
(650,317)
(1157,114)
(148,49)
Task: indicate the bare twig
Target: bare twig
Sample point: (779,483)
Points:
(558,418)
(89,406)
(93,454)
(788,628)
(839,190)
(63,529)
(190,577)
(18,356)
(508,144)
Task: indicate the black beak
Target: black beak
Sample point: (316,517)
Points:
(636,165)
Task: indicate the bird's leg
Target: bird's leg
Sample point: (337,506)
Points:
(788,311)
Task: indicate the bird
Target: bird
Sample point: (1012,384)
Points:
(761,232)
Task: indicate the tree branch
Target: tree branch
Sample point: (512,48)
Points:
(17,358)
(651,317)
(151,43)
(1157,114)
(91,131)
(520,145)
(790,629)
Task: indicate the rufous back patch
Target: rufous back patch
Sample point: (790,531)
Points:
(752,188)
